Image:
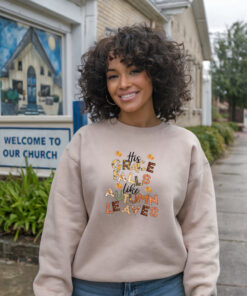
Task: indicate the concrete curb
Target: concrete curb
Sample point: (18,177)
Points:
(20,251)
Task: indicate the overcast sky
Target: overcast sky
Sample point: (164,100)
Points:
(224,12)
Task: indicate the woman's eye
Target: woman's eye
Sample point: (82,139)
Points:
(136,71)
(111,77)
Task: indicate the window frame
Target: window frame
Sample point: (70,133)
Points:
(19,65)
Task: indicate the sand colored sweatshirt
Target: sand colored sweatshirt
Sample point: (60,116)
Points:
(130,204)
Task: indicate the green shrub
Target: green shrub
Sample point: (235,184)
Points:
(216,116)
(216,142)
(214,138)
(12,95)
(225,131)
(23,203)
(55,98)
(232,125)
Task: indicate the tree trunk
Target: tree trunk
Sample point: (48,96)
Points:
(232,109)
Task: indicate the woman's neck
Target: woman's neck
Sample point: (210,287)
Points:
(144,121)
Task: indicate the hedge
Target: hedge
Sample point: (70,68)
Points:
(215,138)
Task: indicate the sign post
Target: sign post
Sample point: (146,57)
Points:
(0,97)
(79,118)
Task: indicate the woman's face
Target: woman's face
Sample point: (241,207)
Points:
(130,88)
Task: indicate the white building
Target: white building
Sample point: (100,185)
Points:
(41,49)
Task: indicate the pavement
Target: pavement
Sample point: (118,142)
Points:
(230,179)
(230,176)
(16,278)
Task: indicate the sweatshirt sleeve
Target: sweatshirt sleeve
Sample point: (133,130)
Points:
(198,221)
(65,222)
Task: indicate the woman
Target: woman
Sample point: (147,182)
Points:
(132,206)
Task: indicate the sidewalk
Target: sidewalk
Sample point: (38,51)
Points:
(16,278)
(230,178)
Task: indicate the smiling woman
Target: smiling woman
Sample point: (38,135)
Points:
(143,52)
(132,206)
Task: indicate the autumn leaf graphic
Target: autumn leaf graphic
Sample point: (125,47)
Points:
(150,156)
(119,185)
(118,153)
(148,189)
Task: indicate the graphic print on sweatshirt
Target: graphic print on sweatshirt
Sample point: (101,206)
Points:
(132,193)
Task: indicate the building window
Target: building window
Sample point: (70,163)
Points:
(45,90)
(18,85)
(42,71)
(19,65)
(48,47)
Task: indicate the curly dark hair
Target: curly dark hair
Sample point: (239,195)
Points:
(148,49)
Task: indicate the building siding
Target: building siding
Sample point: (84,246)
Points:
(112,14)
(184,29)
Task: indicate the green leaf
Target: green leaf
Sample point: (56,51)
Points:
(23,202)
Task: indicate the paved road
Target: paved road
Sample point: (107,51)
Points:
(16,278)
(230,177)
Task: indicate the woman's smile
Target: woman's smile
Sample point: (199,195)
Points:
(131,89)
(128,96)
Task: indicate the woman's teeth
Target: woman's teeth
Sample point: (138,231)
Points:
(129,96)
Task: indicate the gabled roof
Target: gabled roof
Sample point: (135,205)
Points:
(173,7)
(29,37)
(201,20)
(148,8)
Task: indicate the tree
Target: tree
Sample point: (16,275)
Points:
(229,67)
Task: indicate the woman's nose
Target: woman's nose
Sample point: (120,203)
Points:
(124,82)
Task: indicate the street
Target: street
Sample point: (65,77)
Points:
(230,175)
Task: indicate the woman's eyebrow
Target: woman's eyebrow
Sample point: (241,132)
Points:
(109,69)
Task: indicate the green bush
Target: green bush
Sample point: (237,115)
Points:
(12,95)
(232,125)
(214,138)
(23,203)
(216,116)
(55,98)
(225,131)
(216,142)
